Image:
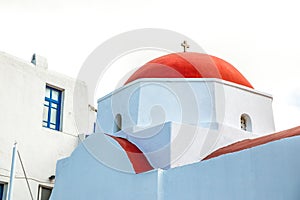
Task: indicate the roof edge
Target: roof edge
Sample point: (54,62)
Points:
(217,80)
(250,143)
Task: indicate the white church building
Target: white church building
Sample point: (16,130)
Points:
(38,112)
(184,126)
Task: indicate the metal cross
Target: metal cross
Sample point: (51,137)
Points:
(185,45)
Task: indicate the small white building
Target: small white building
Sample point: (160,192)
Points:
(180,107)
(38,111)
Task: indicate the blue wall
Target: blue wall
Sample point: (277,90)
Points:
(267,172)
(82,177)
(150,103)
(270,171)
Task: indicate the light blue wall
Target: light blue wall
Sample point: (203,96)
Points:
(124,102)
(155,143)
(149,103)
(271,171)
(82,177)
(181,102)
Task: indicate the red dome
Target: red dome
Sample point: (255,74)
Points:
(190,65)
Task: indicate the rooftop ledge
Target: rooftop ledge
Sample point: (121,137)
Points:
(186,80)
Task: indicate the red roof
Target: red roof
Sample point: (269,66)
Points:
(249,143)
(135,155)
(190,65)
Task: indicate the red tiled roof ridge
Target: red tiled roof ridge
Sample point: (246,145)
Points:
(249,143)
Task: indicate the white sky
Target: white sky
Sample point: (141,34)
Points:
(260,38)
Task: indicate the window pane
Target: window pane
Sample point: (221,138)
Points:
(53,105)
(1,191)
(47,92)
(55,95)
(45,124)
(46,103)
(45,113)
(52,126)
(53,116)
(45,193)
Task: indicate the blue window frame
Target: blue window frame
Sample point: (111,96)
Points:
(52,108)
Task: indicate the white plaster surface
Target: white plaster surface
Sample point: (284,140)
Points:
(22,87)
(180,121)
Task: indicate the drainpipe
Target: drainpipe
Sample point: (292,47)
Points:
(12,173)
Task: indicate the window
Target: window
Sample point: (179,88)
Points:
(52,108)
(44,193)
(118,123)
(246,123)
(2,191)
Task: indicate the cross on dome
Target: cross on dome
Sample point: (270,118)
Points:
(185,45)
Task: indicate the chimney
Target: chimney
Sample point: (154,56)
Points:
(39,61)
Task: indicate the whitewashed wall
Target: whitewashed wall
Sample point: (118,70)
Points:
(202,102)
(180,121)
(22,87)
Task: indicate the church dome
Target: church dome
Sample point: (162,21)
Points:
(190,65)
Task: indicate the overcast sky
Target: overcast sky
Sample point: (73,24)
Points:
(260,38)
